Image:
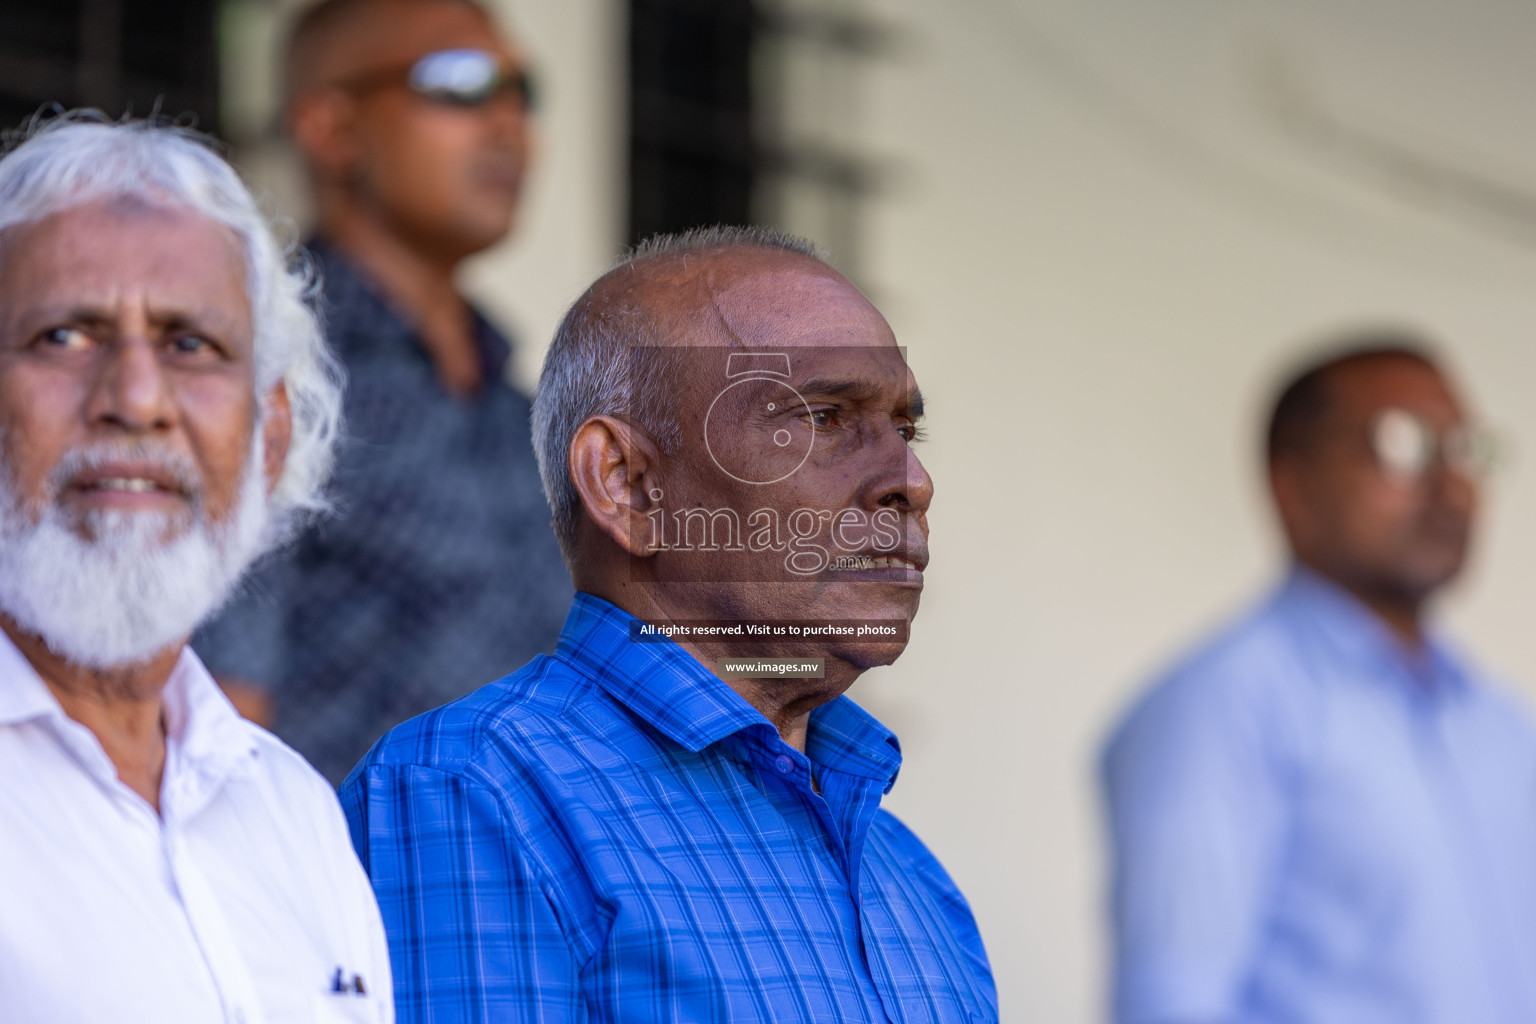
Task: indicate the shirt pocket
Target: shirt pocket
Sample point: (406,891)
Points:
(346,1008)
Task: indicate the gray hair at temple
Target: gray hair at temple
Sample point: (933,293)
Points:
(597,365)
(55,164)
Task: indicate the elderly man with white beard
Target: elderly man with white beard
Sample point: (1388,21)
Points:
(167,413)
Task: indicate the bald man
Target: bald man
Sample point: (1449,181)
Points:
(677,816)
(412,117)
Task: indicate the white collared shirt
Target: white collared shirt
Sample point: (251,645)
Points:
(242,902)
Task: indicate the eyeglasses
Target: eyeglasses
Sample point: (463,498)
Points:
(1407,445)
(461,78)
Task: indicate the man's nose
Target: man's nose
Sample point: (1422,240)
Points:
(1454,486)
(904,484)
(131,391)
(507,114)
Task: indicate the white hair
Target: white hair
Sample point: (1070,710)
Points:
(598,365)
(59,163)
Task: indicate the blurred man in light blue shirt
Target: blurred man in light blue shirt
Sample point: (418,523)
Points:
(1324,814)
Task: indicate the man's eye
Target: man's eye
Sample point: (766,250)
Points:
(65,338)
(191,343)
(824,419)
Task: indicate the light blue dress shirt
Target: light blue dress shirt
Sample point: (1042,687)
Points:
(1313,825)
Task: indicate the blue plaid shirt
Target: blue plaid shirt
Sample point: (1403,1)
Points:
(613,834)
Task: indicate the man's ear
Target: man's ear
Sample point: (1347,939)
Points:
(614,468)
(323,124)
(276,432)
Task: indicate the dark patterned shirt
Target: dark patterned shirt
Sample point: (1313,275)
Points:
(439,571)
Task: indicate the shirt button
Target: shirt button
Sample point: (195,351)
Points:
(785,764)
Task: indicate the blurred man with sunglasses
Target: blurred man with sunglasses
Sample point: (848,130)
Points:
(1325,814)
(441,570)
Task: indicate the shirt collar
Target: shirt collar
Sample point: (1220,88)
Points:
(349,288)
(657,680)
(207,731)
(675,694)
(23,694)
(1342,622)
(206,739)
(844,737)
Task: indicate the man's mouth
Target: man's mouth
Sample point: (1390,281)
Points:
(887,562)
(136,479)
(132,483)
(503,176)
(905,566)
(123,483)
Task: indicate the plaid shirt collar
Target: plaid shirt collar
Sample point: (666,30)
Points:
(675,694)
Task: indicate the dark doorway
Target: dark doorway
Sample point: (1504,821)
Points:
(691,145)
(119,56)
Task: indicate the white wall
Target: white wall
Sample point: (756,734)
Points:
(1104,244)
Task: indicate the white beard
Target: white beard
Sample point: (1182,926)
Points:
(119,587)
